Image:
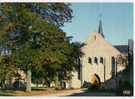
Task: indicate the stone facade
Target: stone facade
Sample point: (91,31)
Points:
(99,59)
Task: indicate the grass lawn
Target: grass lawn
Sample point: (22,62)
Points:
(34,92)
(6,93)
(99,90)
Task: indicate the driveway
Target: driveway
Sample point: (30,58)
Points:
(79,92)
(64,92)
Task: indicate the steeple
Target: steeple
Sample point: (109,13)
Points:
(100,29)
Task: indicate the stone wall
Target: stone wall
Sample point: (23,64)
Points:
(97,46)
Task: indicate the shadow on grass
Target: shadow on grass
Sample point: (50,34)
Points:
(95,92)
(7,93)
(100,90)
(23,93)
(43,89)
(38,89)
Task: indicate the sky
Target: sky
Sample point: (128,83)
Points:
(117,21)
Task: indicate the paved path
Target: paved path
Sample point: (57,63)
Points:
(79,92)
(64,93)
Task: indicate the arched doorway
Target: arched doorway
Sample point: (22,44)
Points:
(96,80)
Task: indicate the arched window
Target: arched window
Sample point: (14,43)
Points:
(89,60)
(96,60)
(101,60)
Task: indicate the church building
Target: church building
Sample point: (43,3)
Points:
(99,62)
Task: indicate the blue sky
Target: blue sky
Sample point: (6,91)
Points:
(117,21)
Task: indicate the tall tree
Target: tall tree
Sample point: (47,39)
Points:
(33,33)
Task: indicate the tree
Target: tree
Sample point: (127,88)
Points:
(73,60)
(55,13)
(7,69)
(32,31)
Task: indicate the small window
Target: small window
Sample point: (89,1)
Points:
(89,60)
(101,60)
(96,60)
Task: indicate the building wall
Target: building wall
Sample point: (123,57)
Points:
(75,82)
(97,46)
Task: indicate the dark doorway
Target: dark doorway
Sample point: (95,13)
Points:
(96,80)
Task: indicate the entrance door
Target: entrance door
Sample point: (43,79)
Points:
(96,80)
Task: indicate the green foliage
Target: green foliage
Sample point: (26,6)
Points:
(7,69)
(36,40)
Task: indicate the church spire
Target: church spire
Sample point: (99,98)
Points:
(100,29)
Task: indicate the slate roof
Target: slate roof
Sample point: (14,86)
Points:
(122,48)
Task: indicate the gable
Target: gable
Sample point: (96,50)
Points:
(96,45)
